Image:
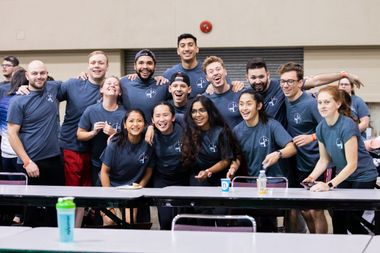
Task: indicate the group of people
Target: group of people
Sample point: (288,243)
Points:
(192,126)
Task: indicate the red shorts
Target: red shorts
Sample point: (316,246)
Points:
(77,168)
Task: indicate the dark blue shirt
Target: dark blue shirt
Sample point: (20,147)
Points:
(303,118)
(96,113)
(259,141)
(37,115)
(127,163)
(335,137)
(274,102)
(143,95)
(79,94)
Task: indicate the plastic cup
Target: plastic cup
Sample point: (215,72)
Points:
(225,184)
(66,219)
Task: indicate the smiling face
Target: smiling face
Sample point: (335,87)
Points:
(134,124)
(290,85)
(111,87)
(216,75)
(200,116)
(163,119)
(180,91)
(327,106)
(258,78)
(7,69)
(249,109)
(144,67)
(37,75)
(187,49)
(97,68)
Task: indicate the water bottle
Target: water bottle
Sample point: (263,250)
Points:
(262,183)
(66,218)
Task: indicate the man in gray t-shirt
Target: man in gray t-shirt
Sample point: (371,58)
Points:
(33,134)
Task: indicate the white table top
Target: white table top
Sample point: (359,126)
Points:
(61,191)
(111,240)
(374,245)
(274,193)
(6,231)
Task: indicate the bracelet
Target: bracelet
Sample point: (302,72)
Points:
(343,74)
(26,164)
(314,137)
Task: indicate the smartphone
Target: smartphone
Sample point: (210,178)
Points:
(308,185)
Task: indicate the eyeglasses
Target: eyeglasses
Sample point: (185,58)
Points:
(290,82)
(201,111)
(6,65)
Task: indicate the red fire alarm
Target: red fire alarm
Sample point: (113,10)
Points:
(205,26)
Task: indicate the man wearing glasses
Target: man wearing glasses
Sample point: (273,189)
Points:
(7,67)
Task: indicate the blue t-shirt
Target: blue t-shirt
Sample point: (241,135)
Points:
(227,104)
(178,110)
(167,161)
(210,153)
(95,113)
(303,118)
(196,75)
(127,163)
(143,95)
(37,114)
(4,104)
(334,138)
(259,141)
(79,94)
(274,102)
(359,109)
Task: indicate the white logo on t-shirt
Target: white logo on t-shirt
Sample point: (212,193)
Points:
(273,101)
(143,158)
(339,143)
(297,118)
(150,93)
(233,107)
(263,141)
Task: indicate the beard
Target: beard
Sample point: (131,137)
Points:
(37,87)
(260,87)
(144,78)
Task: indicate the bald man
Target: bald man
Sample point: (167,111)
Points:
(33,131)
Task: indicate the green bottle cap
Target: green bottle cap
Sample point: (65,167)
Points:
(65,203)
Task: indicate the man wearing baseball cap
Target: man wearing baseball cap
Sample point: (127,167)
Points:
(180,89)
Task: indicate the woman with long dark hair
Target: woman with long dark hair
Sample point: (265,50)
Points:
(208,146)
(126,158)
(340,143)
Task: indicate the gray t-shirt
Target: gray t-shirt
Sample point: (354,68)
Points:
(96,113)
(143,95)
(303,118)
(259,141)
(79,94)
(227,104)
(334,138)
(127,163)
(37,114)
(274,102)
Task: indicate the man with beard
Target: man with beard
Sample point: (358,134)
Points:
(142,92)
(33,134)
(7,67)
(258,77)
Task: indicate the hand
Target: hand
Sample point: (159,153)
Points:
(233,168)
(210,89)
(149,135)
(23,90)
(160,80)
(108,129)
(83,76)
(237,86)
(320,187)
(202,175)
(309,179)
(132,77)
(271,159)
(302,140)
(32,169)
(98,126)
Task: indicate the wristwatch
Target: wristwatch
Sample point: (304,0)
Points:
(330,185)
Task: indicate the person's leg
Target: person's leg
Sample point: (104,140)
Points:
(320,222)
